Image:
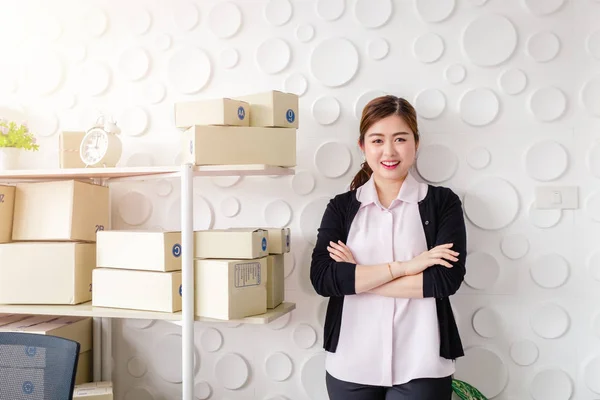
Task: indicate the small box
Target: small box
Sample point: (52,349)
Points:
(7,208)
(224,111)
(275,280)
(60,211)
(279,240)
(141,250)
(46,273)
(230,145)
(137,290)
(236,243)
(230,289)
(69,144)
(93,391)
(272,109)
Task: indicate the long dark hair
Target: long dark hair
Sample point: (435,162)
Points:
(375,110)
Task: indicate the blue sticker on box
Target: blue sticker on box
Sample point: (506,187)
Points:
(28,387)
(264,244)
(180,291)
(290,115)
(191,147)
(287,241)
(176,249)
(30,350)
(241,113)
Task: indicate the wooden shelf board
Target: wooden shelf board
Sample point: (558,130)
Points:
(87,310)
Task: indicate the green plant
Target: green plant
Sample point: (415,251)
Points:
(17,135)
(466,391)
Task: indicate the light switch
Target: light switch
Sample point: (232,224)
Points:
(556,197)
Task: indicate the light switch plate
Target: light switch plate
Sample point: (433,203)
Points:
(556,197)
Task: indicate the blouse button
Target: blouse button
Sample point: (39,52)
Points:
(426,222)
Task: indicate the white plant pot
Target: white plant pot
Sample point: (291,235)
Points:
(9,158)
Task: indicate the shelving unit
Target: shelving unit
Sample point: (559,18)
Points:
(186,318)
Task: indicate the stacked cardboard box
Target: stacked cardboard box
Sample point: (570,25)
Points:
(94,391)
(279,240)
(259,128)
(78,329)
(68,148)
(7,204)
(138,270)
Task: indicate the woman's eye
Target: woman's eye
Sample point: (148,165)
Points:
(377,141)
(400,139)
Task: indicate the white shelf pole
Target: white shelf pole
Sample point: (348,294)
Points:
(187,266)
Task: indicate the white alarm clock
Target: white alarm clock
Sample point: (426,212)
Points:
(101,145)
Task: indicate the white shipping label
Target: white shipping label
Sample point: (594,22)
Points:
(247,274)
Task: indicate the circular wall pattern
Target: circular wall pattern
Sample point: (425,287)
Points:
(133,121)
(311,216)
(592,206)
(514,246)
(363,100)
(280,323)
(312,377)
(135,323)
(378,48)
(295,83)
(44,72)
(434,10)
(232,371)
(202,390)
(211,340)
(163,187)
(544,7)
(155,92)
(43,122)
(512,81)
(303,183)
(593,159)
(486,322)
(186,15)
(551,384)
(484,369)
(546,161)
(373,13)
(203,214)
(138,393)
(479,158)
(547,104)
(334,51)
(278,12)
(590,96)
(543,46)
(544,218)
(550,271)
(229,58)
(163,41)
(430,103)
(134,63)
(550,321)
(491,204)
(94,79)
(479,107)
(136,367)
(225,181)
(330,10)
(273,55)
(455,73)
(225,20)
(278,366)
(593,265)
(189,70)
(591,372)
(428,47)
(333,159)
(230,207)
(592,44)
(304,336)
(95,21)
(305,33)
(141,22)
(326,110)
(482,32)
(167,358)
(524,352)
(140,160)
(436,163)
(134,208)
(289,263)
(482,270)
(278,214)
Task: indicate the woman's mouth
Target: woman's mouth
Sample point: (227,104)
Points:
(390,164)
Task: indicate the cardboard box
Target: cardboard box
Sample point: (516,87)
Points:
(272,109)
(94,391)
(141,250)
(46,273)
(275,280)
(279,240)
(84,372)
(137,290)
(60,211)
(68,145)
(224,111)
(230,289)
(236,243)
(229,145)
(7,208)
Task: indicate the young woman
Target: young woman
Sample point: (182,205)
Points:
(389,253)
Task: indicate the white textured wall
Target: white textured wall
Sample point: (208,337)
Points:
(508,96)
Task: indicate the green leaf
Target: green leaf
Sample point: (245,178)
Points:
(466,391)
(17,135)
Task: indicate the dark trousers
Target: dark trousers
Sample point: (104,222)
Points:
(417,389)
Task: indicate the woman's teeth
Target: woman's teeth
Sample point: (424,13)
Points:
(390,165)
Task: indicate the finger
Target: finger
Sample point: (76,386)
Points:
(343,249)
(336,252)
(335,258)
(444,246)
(444,263)
(446,255)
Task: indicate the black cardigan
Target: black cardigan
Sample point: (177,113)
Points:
(443,222)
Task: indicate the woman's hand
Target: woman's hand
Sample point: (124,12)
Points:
(436,256)
(340,252)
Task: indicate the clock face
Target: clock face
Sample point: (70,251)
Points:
(94,146)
